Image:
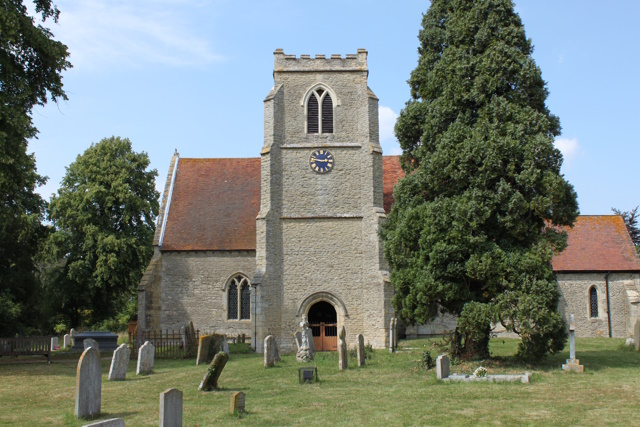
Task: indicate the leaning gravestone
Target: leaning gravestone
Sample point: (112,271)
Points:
(342,350)
(146,354)
(269,351)
(238,402)
(442,367)
(298,337)
(119,363)
(88,384)
(636,335)
(361,354)
(171,408)
(66,341)
(113,422)
(210,379)
(90,342)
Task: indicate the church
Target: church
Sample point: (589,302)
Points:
(251,245)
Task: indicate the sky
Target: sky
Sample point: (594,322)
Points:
(191,75)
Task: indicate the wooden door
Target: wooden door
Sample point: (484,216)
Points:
(325,336)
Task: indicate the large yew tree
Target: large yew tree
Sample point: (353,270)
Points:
(471,231)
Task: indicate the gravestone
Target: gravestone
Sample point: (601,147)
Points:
(88,384)
(171,408)
(119,363)
(395,333)
(442,367)
(146,354)
(208,346)
(342,350)
(225,345)
(312,344)
(305,354)
(66,340)
(54,343)
(391,334)
(276,356)
(636,335)
(238,402)
(298,337)
(269,351)
(572,364)
(210,379)
(90,342)
(73,333)
(361,354)
(113,422)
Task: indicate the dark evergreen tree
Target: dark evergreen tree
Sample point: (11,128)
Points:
(631,221)
(468,233)
(31,63)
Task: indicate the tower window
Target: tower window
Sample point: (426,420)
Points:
(593,302)
(320,112)
(239,299)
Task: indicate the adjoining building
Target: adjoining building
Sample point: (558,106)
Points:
(249,246)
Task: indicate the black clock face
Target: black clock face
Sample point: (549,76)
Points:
(321,161)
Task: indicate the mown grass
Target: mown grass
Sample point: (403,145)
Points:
(393,389)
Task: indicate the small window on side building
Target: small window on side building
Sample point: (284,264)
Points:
(593,302)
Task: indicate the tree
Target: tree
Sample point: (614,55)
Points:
(31,63)
(631,221)
(468,233)
(103,216)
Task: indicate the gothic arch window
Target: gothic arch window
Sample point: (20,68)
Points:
(593,302)
(239,298)
(320,112)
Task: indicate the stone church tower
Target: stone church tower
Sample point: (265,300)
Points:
(318,252)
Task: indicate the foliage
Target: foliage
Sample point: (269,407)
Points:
(468,234)
(481,372)
(31,63)
(103,216)
(426,361)
(631,221)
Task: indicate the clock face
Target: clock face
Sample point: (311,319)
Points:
(321,161)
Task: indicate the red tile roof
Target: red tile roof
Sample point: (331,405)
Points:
(391,174)
(598,243)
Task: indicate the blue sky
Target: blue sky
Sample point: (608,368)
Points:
(191,75)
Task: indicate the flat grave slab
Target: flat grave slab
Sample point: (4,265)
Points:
(106,340)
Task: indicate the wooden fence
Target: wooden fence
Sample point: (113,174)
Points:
(23,346)
(169,344)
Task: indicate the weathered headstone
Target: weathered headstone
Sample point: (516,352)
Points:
(119,363)
(238,402)
(269,351)
(146,355)
(392,334)
(305,354)
(88,384)
(298,337)
(54,343)
(72,332)
(572,364)
(343,357)
(113,422)
(90,342)
(442,367)
(208,346)
(395,333)
(67,341)
(210,379)
(312,344)
(360,348)
(636,334)
(225,345)
(171,408)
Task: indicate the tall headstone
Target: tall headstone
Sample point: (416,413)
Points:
(146,354)
(391,334)
(171,408)
(442,367)
(88,384)
(342,350)
(572,364)
(54,343)
(636,334)
(298,337)
(72,332)
(395,333)
(210,379)
(225,345)
(361,353)
(119,363)
(304,353)
(312,344)
(203,349)
(269,351)
(90,342)
(113,422)
(66,341)
(238,402)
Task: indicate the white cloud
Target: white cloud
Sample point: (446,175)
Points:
(103,33)
(387,120)
(569,147)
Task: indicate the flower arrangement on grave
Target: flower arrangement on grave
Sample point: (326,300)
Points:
(481,372)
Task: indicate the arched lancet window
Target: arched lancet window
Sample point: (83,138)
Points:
(593,302)
(239,298)
(320,112)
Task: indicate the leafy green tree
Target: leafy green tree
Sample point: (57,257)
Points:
(631,221)
(468,232)
(103,216)
(31,65)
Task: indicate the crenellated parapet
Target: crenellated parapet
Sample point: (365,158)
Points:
(305,63)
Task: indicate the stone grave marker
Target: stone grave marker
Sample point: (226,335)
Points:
(343,356)
(90,342)
(203,349)
(54,343)
(312,344)
(276,356)
(171,408)
(238,402)
(391,334)
(210,379)
(225,345)
(395,333)
(113,422)
(119,363)
(442,367)
(146,354)
(572,364)
(88,384)
(66,341)
(298,337)
(72,332)
(360,348)
(269,351)
(636,335)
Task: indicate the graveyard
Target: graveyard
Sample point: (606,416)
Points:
(390,389)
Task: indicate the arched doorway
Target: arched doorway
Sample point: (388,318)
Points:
(323,321)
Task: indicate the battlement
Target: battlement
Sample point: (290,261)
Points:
(305,63)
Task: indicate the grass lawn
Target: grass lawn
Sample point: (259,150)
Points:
(391,390)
